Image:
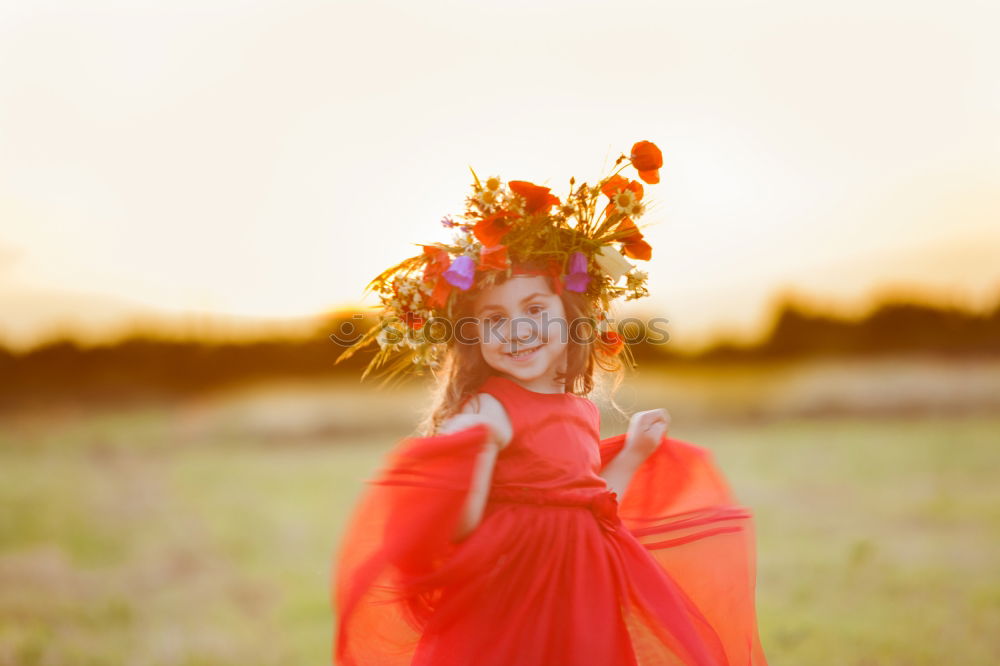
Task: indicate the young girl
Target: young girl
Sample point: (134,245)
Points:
(496,537)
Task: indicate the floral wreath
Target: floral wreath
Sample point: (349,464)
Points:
(507,228)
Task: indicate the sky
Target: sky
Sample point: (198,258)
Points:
(248,163)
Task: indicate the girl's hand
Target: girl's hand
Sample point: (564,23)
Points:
(496,421)
(646,430)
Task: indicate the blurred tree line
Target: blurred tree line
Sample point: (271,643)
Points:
(890,328)
(143,367)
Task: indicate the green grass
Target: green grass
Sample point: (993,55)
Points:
(133,538)
(877,540)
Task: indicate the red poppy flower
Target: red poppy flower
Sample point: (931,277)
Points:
(491,229)
(617,183)
(635,246)
(439,297)
(622,192)
(439,261)
(493,257)
(648,160)
(613,341)
(413,320)
(538,199)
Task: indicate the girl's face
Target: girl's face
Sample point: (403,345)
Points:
(523,314)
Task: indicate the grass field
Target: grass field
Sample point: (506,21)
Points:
(203,533)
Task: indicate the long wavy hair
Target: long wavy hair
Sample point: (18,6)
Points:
(463,368)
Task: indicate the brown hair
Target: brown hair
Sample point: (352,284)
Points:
(463,369)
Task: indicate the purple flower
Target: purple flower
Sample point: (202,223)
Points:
(461,272)
(577,279)
(447,222)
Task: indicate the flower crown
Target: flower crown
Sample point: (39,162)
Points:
(520,228)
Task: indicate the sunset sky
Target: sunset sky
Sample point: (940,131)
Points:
(266,159)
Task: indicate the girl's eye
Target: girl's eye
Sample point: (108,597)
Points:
(532,309)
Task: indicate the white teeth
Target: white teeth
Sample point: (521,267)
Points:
(522,353)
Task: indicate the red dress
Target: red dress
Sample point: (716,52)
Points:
(557,573)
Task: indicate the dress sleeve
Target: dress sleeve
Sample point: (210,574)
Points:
(400,530)
(681,508)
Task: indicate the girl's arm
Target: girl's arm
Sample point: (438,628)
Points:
(646,431)
(475,505)
(619,472)
(488,411)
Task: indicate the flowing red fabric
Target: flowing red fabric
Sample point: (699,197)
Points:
(558,572)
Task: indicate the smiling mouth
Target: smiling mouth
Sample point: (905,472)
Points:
(523,353)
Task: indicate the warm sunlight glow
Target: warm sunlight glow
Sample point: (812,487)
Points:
(268,163)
